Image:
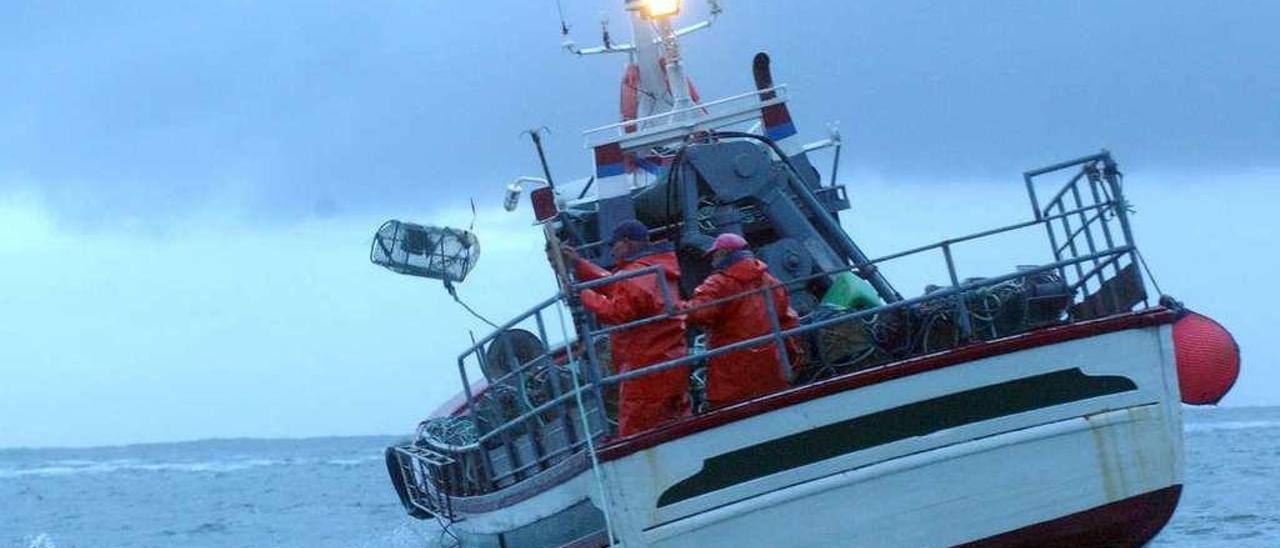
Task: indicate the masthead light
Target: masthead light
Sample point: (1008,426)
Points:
(655,9)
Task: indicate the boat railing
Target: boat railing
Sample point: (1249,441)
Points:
(674,125)
(572,384)
(1074,229)
(778,335)
(533,415)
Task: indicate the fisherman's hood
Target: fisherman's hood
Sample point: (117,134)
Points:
(746,269)
(661,255)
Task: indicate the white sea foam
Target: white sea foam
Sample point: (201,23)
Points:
(1230,425)
(75,467)
(74,462)
(113,466)
(353,462)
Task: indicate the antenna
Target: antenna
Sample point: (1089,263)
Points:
(604,31)
(648,12)
(536,135)
(564,27)
(472,227)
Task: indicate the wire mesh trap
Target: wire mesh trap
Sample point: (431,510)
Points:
(438,253)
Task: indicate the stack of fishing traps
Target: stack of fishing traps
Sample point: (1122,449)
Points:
(1036,300)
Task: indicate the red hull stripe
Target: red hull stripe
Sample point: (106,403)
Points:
(1129,522)
(1042,337)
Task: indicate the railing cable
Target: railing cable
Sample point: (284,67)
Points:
(1150,276)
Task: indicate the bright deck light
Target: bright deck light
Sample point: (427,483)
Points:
(655,9)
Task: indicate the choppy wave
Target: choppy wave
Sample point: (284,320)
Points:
(78,467)
(1230,425)
(42,540)
(333,493)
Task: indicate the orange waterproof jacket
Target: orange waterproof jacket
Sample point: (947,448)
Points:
(651,400)
(750,372)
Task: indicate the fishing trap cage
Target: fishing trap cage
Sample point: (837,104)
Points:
(438,253)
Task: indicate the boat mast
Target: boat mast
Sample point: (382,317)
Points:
(655,52)
(675,67)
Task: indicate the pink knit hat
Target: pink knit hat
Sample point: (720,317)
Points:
(728,242)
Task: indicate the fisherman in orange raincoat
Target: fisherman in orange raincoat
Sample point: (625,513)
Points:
(647,401)
(750,372)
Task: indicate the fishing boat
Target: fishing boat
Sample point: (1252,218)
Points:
(1038,407)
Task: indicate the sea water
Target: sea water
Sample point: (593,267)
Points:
(334,492)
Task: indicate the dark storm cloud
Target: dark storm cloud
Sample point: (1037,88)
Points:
(938,89)
(152,109)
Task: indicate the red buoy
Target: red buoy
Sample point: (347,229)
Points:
(630,96)
(1208,359)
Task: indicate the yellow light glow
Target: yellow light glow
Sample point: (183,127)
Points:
(655,9)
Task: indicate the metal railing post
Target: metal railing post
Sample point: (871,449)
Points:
(1094,182)
(962,308)
(1084,226)
(486,470)
(668,304)
(512,457)
(1045,215)
(1053,239)
(553,377)
(1085,222)
(594,375)
(775,326)
(589,438)
(1071,242)
(522,374)
(1031,193)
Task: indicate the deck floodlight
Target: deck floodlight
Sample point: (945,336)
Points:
(511,198)
(543,198)
(655,9)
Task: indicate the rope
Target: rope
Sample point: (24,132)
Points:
(453,292)
(1143,261)
(586,426)
(446,528)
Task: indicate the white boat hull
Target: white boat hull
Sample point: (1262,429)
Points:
(1049,434)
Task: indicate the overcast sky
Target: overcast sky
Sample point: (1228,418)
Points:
(187,190)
